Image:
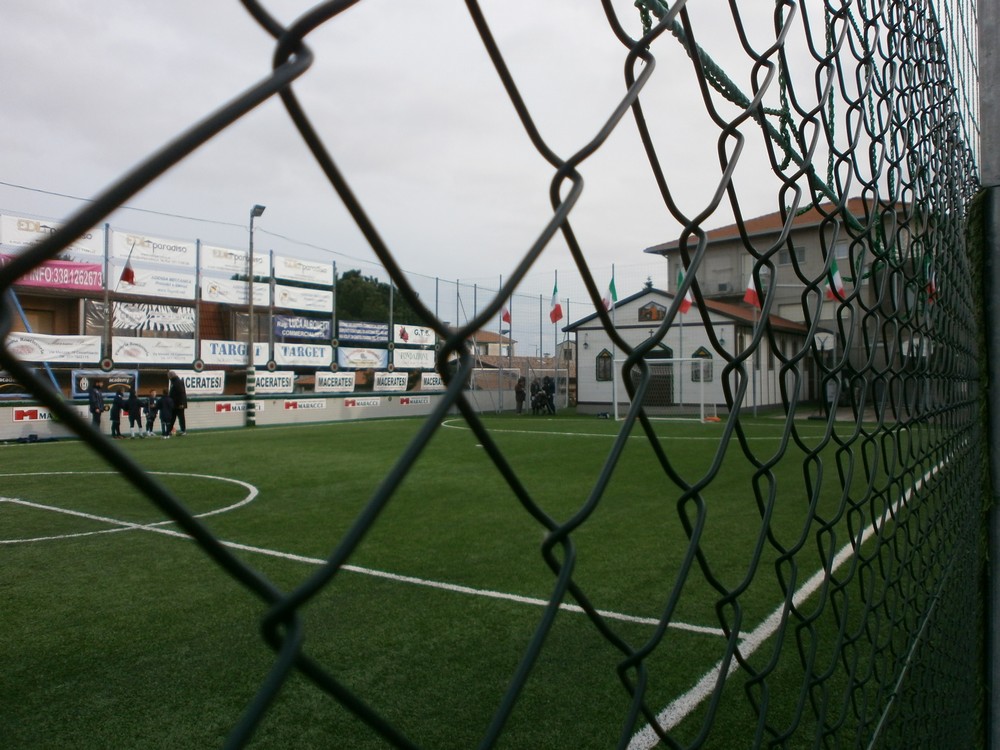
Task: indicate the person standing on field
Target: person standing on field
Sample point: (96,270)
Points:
(519,394)
(178,394)
(165,407)
(150,409)
(134,408)
(95,404)
(116,416)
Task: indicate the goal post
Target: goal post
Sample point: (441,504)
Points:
(682,388)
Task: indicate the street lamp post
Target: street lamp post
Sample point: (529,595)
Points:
(251,389)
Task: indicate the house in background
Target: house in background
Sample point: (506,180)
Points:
(683,386)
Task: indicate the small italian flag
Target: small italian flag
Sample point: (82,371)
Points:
(751,296)
(555,312)
(610,296)
(835,283)
(930,279)
(687,301)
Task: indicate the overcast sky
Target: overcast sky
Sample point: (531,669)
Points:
(406,99)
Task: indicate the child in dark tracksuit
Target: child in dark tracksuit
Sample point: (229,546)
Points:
(116,416)
(165,408)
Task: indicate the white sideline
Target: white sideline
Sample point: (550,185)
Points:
(646,738)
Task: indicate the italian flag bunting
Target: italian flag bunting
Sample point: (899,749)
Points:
(610,296)
(687,301)
(555,312)
(930,280)
(835,290)
(505,315)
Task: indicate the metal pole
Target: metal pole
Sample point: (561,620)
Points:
(251,389)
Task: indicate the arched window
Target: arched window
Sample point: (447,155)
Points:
(604,366)
(698,369)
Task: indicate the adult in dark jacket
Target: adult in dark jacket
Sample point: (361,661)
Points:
(165,408)
(178,394)
(95,403)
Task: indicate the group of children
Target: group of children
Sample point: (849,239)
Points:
(157,405)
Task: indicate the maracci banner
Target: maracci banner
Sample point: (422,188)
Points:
(40,347)
(207,383)
(18,233)
(131,247)
(334,382)
(152,351)
(62,274)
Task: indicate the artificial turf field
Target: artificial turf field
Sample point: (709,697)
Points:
(118,631)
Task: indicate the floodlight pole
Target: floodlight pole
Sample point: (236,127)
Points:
(251,388)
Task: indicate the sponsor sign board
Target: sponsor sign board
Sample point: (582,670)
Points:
(390,381)
(222,407)
(296,269)
(296,298)
(62,274)
(289,326)
(152,350)
(10,387)
(282,381)
(226,260)
(305,404)
(431,381)
(149,283)
(18,233)
(334,382)
(361,332)
(205,383)
(365,402)
(215,352)
(40,347)
(31,414)
(303,355)
(362,358)
(129,246)
(413,359)
(115,380)
(414,400)
(413,335)
(233,292)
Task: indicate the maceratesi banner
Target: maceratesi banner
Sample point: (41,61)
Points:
(303,355)
(390,381)
(361,358)
(309,271)
(207,383)
(141,317)
(334,382)
(130,349)
(18,233)
(296,298)
(289,326)
(62,274)
(39,347)
(413,335)
(413,359)
(149,283)
(137,248)
(431,381)
(275,382)
(363,332)
(233,352)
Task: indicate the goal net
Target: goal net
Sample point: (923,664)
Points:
(683,388)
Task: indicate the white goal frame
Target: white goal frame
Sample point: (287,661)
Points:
(685,398)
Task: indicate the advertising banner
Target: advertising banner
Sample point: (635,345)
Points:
(289,326)
(362,332)
(360,358)
(390,381)
(233,352)
(63,274)
(413,359)
(233,262)
(310,271)
(230,292)
(18,233)
(296,298)
(207,383)
(10,387)
(307,404)
(414,335)
(303,355)
(153,283)
(431,381)
(115,380)
(141,317)
(224,407)
(39,347)
(334,382)
(152,351)
(128,246)
(363,402)
(282,381)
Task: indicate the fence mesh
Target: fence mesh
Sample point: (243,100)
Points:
(867,113)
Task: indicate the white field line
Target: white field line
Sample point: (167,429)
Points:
(158,528)
(677,710)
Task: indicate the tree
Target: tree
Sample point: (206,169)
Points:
(366,298)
